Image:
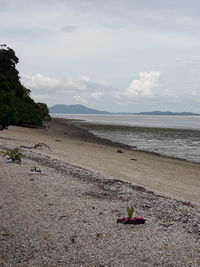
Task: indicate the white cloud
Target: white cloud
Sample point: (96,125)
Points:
(39,81)
(101,95)
(79,99)
(97,95)
(85,78)
(144,86)
(81,90)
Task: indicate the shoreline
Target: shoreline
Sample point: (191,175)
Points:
(123,125)
(165,176)
(84,126)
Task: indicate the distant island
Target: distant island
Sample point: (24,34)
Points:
(75,109)
(81,109)
(169,113)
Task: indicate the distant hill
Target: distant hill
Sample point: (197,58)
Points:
(80,109)
(75,109)
(169,113)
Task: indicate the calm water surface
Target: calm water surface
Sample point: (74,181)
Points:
(173,136)
(184,122)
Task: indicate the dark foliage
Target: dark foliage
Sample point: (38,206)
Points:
(44,111)
(16,105)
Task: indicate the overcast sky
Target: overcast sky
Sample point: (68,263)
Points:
(115,55)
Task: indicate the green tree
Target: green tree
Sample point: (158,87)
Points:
(16,105)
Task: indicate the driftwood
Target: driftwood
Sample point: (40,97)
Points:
(39,145)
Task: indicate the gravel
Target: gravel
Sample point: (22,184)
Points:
(67,216)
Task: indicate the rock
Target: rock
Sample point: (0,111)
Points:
(63,216)
(119,151)
(18,161)
(72,238)
(99,235)
(9,161)
(36,170)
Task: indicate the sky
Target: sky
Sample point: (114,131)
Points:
(114,55)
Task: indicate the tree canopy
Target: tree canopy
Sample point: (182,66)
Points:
(16,105)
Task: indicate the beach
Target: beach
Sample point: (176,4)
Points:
(165,176)
(66,215)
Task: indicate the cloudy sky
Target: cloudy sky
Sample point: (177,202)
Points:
(115,55)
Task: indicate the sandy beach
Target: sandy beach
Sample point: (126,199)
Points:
(165,176)
(66,214)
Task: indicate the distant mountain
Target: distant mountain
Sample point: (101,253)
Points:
(169,113)
(80,109)
(75,109)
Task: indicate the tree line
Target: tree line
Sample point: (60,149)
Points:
(16,105)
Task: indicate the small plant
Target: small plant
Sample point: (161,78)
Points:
(13,154)
(130,211)
(130,219)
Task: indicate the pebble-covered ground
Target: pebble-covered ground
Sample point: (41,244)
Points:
(67,216)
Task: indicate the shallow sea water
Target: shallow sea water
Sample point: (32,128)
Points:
(176,144)
(172,136)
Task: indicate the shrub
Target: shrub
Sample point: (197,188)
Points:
(13,154)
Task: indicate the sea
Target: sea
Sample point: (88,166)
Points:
(171,136)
